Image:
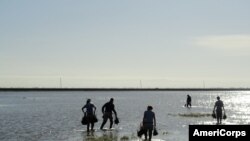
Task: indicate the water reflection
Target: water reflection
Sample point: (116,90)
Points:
(48,116)
(100,136)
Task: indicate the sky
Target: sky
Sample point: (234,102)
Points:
(125,43)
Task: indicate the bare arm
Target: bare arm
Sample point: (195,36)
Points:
(94,109)
(223,108)
(214,106)
(143,117)
(83,108)
(154,121)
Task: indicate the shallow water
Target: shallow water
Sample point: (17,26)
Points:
(52,116)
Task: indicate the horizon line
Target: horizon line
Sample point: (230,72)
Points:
(121,89)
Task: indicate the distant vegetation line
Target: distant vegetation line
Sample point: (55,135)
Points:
(124,89)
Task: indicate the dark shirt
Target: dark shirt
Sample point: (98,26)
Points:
(108,107)
(189,99)
(219,104)
(89,108)
(148,117)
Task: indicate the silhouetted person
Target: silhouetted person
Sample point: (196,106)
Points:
(90,111)
(189,100)
(107,110)
(149,122)
(218,107)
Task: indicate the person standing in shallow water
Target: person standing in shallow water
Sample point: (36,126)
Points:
(149,122)
(218,107)
(189,100)
(107,110)
(90,111)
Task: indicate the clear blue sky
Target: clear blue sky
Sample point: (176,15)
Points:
(125,43)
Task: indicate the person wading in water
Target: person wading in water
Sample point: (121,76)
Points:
(189,100)
(90,111)
(218,107)
(149,122)
(107,110)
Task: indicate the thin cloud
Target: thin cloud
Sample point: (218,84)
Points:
(224,41)
(229,45)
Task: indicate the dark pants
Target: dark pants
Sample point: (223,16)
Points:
(148,129)
(90,119)
(189,104)
(219,116)
(107,116)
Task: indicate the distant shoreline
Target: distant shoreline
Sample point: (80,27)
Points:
(124,89)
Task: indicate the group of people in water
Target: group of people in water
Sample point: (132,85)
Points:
(107,109)
(217,111)
(149,120)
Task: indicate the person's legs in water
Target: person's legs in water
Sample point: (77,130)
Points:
(92,126)
(105,118)
(88,127)
(88,121)
(103,123)
(219,116)
(146,133)
(219,120)
(150,134)
(111,122)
